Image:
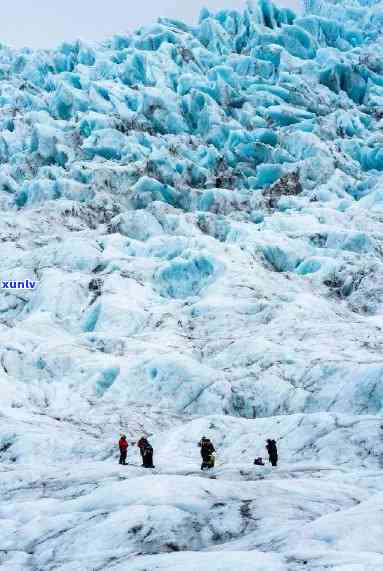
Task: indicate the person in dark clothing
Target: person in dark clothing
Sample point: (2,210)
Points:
(147,455)
(207,450)
(271,447)
(123,446)
(142,443)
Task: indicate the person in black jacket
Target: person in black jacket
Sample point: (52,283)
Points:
(207,450)
(271,447)
(141,444)
(147,455)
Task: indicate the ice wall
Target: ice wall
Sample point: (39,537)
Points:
(147,181)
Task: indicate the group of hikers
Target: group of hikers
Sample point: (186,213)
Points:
(207,452)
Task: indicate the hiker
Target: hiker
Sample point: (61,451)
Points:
(271,448)
(207,453)
(147,455)
(123,446)
(143,441)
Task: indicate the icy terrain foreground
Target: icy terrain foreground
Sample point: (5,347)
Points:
(202,210)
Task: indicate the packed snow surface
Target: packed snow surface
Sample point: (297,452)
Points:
(201,208)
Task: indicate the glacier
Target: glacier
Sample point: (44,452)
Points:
(201,208)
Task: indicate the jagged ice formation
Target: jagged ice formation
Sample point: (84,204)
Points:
(202,209)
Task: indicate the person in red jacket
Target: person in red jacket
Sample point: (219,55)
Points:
(123,446)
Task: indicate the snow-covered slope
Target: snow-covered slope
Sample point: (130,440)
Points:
(201,208)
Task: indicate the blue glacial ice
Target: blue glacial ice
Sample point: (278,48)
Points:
(200,206)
